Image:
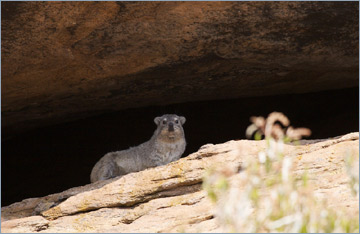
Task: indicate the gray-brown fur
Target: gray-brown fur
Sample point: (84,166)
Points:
(166,145)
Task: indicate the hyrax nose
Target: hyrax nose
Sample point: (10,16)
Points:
(171,127)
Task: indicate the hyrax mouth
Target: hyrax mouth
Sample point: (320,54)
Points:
(172,134)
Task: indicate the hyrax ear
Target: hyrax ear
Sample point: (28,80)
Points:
(182,120)
(157,120)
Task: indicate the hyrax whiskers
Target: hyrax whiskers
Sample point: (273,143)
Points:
(166,145)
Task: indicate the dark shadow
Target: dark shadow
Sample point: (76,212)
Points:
(52,159)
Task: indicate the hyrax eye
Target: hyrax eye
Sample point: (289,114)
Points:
(164,121)
(176,121)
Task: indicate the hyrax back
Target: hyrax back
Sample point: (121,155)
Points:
(166,145)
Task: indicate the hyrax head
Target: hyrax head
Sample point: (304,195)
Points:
(170,126)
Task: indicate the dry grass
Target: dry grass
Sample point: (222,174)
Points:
(272,199)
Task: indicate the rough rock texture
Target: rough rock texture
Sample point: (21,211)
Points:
(68,60)
(169,198)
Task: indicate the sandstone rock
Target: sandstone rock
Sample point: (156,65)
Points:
(70,60)
(29,224)
(169,198)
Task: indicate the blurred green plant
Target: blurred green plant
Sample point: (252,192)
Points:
(351,162)
(272,199)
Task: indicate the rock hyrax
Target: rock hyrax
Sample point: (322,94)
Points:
(166,145)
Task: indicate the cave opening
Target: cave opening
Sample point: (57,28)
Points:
(51,159)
